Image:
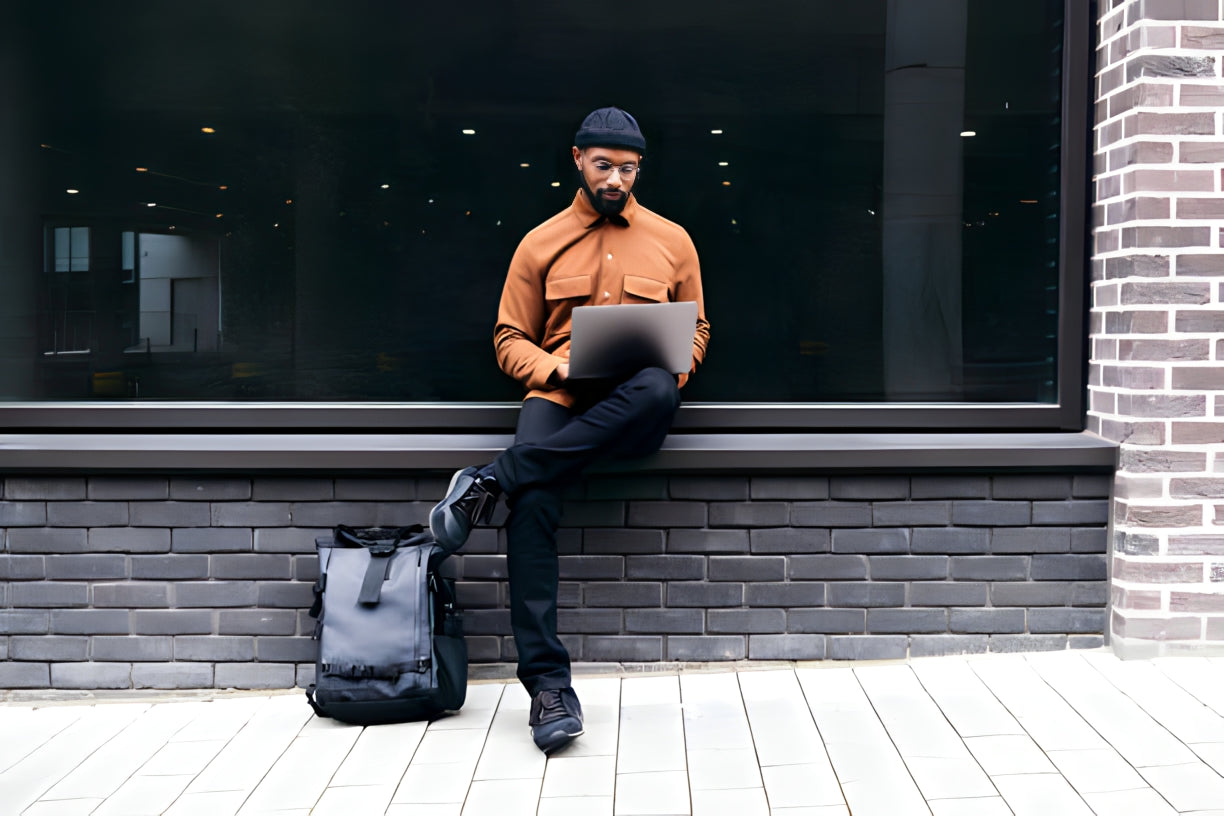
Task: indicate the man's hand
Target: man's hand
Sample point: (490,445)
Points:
(562,373)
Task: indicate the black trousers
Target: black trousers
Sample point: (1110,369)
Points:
(552,446)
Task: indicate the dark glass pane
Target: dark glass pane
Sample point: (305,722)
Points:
(283,201)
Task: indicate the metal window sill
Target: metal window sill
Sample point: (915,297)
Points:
(390,452)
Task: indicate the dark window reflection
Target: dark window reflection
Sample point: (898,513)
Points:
(306,201)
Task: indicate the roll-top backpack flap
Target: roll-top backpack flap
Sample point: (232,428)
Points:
(345,536)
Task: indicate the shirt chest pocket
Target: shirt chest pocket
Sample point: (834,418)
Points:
(645,290)
(578,286)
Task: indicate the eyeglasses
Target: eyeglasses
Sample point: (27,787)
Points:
(603,168)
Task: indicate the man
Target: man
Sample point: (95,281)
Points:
(604,249)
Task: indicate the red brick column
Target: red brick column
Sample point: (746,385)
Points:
(1156,375)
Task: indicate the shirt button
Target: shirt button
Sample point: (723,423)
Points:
(609,256)
(607,295)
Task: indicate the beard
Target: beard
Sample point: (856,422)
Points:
(604,206)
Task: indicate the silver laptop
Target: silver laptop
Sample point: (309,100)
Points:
(611,341)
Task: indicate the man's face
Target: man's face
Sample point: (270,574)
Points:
(608,175)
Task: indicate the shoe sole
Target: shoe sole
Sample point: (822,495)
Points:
(558,742)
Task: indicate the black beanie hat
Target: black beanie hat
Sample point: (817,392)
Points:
(610,127)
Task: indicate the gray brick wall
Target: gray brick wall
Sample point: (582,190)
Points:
(178,582)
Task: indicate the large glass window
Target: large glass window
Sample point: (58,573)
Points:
(289,201)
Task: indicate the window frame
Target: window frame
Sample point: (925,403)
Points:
(1066,413)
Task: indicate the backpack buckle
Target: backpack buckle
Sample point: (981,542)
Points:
(381,549)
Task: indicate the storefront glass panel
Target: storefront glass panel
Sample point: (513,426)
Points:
(286,201)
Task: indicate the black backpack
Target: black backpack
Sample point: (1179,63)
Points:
(389,634)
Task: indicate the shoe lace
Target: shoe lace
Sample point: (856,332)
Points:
(477,503)
(548,704)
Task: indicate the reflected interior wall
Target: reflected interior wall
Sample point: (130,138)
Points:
(20,205)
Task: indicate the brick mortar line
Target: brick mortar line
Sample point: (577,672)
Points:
(1162,307)
(1167,364)
(1171,81)
(1163,614)
(1157,252)
(1103,45)
(1198,560)
(1160,109)
(1163,337)
(1166,138)
(1175,50)
(1166,279)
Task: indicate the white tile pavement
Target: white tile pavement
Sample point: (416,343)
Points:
(1053,734)
(869,774)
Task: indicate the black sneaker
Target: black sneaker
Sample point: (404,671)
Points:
(556,719)
(468,502)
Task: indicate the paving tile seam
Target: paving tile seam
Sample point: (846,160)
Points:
(807,704)
(892,739)
(1136,703)
(1058,772)
(1089,723)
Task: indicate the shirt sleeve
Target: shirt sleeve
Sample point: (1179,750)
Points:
(520,324)
(688,287)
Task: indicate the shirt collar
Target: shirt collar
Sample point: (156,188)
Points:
(589,218)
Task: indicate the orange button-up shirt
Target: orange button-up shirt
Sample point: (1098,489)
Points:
(580,258)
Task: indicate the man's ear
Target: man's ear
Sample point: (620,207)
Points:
(577,156)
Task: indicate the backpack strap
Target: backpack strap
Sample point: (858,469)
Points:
(320,585)
(360,671)
(310,698)
(375,574)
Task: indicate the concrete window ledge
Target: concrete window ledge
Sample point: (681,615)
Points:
(391,452)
